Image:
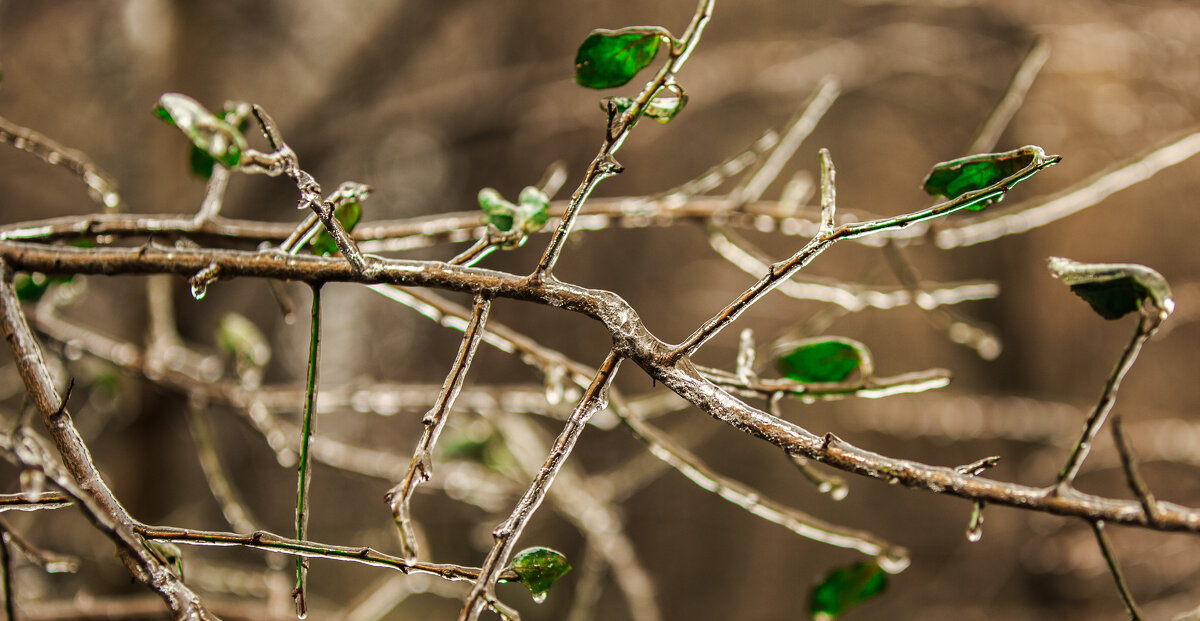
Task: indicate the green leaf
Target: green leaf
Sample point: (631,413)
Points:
(539,568)
(1115,289)
(348,214)
(499,212)
(210,134)
(843,588)
(31,287)
(661,109)
(201,163)
(957,177)
(825,360)
(533,209)
(609,58)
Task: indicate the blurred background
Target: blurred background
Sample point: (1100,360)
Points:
(430,101)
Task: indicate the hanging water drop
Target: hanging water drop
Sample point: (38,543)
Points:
(975,525)
(539,598)
(73,350)
(199,288)
(839,491)
(894,560)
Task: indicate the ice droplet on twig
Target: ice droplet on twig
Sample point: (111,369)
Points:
(975,525)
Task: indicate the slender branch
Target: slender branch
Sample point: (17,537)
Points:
(507,533)
(232,508)
(50,562)
(1147,323)
(1130,467)
(1114,568)
(100,504)
(1013,99)
(263,540)
(798,129)
(306,433)
(10,604)
(421,468)
(605,165)
(44,500)
(784,270)
(101,187)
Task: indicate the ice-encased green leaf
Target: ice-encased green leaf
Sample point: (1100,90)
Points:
(1114,289)
(846,587)
(209,133)
(348,213)
(498,212)
(661,109)
(539,568)
(824,360)
(610,58)
(534,207)
(957,177)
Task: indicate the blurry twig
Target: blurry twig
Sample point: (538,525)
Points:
(1115,568)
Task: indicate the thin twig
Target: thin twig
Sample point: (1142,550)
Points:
(784,270)
(50,562)
(507,533)
(421,468)
(1130,467)
(605,165)
(1147,323)
(101,187)
(306,433)
(1114,568)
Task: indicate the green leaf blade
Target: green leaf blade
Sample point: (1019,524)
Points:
(844,588)
(957,177)
(823,360)
(539,568)
(209,133)
(1114,290)
(610,58)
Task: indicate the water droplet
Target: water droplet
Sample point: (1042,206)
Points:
(199,288)
(975,525)
(73,350)
(33,482)
(839,491)
(539,598)
(894,560)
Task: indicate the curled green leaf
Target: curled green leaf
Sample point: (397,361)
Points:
(209,133)
(610,58)
(825,359)
(539,568)
(1115,289)
(660,108)
(846,587)
(498,211)
(976,172)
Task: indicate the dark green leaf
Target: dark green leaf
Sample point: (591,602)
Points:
(957,177)
(348,214)
(1114,289)
(824,360)
(499,212)
(202,163)
(539,568)
(609,58)
(843,588)
(212,135)
(32,286)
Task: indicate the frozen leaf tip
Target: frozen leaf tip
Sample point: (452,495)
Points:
(1115,289)
(539,568)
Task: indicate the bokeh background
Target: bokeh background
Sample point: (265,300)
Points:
(429,101)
